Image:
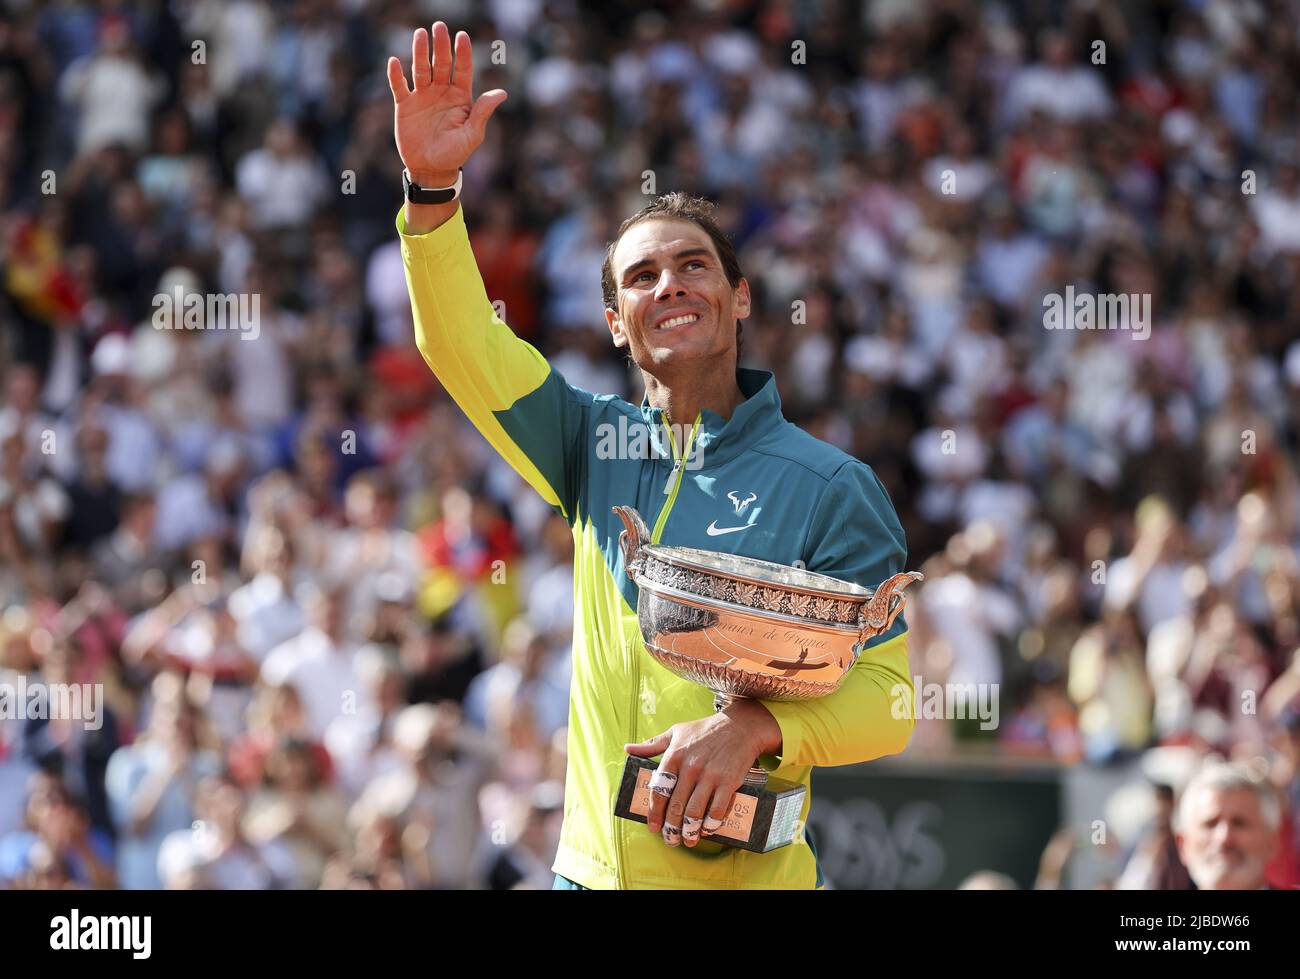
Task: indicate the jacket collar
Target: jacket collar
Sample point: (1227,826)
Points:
(721,439)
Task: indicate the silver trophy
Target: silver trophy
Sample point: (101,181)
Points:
(747,628)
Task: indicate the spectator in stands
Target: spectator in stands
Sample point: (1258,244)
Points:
(1227,829)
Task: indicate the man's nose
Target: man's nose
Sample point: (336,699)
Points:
(1225,835)
(669,285)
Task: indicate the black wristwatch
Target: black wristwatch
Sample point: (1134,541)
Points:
(431,195)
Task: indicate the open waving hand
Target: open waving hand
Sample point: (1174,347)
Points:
(437,122)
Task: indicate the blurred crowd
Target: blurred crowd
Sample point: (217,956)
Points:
(333,628)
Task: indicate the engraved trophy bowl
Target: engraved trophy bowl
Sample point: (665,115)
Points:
(748,628)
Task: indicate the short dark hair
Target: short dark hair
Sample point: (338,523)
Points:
(678,206)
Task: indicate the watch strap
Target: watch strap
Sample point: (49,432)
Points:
(431,195)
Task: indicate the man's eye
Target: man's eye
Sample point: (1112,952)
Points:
(693,264)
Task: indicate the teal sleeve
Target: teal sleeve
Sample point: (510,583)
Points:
(854,535)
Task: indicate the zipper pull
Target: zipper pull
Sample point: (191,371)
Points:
(668,486)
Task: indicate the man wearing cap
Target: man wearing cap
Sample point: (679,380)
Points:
(710,461)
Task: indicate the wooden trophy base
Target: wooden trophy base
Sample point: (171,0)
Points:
(762,817)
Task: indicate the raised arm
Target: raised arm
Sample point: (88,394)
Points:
(526,411)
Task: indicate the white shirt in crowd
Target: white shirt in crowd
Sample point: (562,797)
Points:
(323,674)
(281,191)
(386,294)
(1278,217)
(114,95)
(267,614)
(359,755)
(1068,94)
(970,616)
(1160,596)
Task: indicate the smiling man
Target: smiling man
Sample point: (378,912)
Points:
(728,473)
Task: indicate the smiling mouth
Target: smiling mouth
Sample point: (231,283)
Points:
(683,320)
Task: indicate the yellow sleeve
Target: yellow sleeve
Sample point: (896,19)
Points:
(868,717)
(525,410)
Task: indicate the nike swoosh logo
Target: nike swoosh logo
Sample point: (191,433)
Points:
(713,530)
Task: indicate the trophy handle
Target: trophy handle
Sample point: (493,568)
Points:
(633,538)
(885,604)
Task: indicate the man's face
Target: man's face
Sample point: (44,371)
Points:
(1225,842)
(667,271)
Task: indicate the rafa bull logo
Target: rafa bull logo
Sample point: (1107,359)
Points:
(740,504)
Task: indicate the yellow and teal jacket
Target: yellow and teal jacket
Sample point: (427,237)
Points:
(796,498)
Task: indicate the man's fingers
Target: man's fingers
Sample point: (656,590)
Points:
(484,106)
(674,811)
(463,72)
(718,809)
(421,73)
(696,808)
(668,782)
(655,746)
(674,814)
(441,53)
(397,81)
(662,785)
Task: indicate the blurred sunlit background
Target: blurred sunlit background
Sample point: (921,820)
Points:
(233,534)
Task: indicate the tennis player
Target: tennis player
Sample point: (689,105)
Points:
(707,457)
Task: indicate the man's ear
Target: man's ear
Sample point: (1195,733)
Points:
(615,325)
(740,299)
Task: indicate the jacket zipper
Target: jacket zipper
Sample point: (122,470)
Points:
(671,487)
(674,482)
